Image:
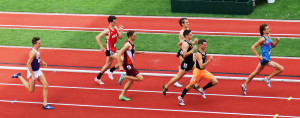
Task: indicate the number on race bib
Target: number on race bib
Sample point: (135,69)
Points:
(184,65)
(128,67)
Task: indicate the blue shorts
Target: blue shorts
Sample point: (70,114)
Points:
(264,62)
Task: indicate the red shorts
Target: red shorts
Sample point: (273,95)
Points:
(130,70)
(199,74)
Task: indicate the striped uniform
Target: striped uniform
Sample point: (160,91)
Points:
(128,60)
(266,51)
(111,42)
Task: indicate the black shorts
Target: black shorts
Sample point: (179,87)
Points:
(130,70)
(109,53)
(186,66)
(180,53)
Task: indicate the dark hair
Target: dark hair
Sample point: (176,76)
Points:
(201,41)
(182,21)
(186,32)
(262,28)
(111,18)
(130,33)
(35,39)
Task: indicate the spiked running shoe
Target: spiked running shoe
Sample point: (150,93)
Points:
(121,79)
(16,75)
(267,82)
(110,75)
(164,90)
(244,89)
(177,84)
(48,107)
(99,81)
(181,102)
(124,98)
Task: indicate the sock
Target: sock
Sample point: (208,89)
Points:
(99,75)
(184,92)
(208,85)
(112,69)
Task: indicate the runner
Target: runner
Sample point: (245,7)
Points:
(265,59)
(111,34)
(34,72)
(131,73)
(188,62)
(199,73)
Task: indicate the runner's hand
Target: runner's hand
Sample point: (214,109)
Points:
(277,39)
(44,64)
(121,27)
(121,68)
(102,49)
(194,48)
(211,58)
(261,58)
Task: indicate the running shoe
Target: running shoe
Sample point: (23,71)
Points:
(177,84)
(124,98)
(164,90)
(200,90)
(16,75)
(99,81)
(110,75)
(244,89)
(48,107)
(181,102)
(267,82)
(121,79)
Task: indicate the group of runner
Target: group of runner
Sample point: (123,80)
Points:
(189,61)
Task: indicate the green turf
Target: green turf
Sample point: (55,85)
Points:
(281,9)
(145,42)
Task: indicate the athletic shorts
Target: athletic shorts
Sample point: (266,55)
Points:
(130,70)
(199,74)
(109,53)
(264,62)
(186,66)
(36,73)
(180,53)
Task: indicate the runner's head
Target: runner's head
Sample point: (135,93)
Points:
(187,34)
(112,20)
(36,42)
(202,44)
(131,35)
(183,22)
(264,29)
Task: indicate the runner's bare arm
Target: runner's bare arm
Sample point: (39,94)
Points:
(255,45)
(275,44)
(32,55)
(99,36)
(185,47)
(120,31)
(125,47)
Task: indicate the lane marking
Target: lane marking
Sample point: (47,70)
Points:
(147,74)
(159,92)
(153,109)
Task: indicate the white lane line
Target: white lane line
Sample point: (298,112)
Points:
(146,74)
(143,30)
(152,109)
(131,16)
(159,92)
(172,53)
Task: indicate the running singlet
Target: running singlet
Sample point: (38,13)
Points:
(129,54)
(35,64)
(266,49)
(203,61)
(112,40)
(189,58)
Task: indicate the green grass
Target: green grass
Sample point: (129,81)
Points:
(145,42)
(281,9)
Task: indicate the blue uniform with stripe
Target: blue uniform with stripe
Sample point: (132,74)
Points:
(266,51)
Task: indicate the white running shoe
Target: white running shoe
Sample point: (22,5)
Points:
(99,81)
(177,84)
(202,93)
(244,89)
(110,75)
(267,82)
(181,102)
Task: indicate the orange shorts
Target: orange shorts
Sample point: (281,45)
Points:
(199,74)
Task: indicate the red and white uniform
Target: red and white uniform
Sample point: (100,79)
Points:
(111,42)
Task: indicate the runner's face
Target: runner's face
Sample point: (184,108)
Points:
(203,46)
(38,44)
(186,23)
(114,22)
(133,37)
(267,30)
(189,36)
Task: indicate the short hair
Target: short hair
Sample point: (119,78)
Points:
(182,21)
(201,41)
(35,39)
(262,28)
(130,33)
(186,32)
(111,18)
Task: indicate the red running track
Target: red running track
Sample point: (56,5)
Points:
(101,100)
(207,26)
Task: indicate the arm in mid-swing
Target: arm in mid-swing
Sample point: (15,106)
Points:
(185,47)
(200,62)
(99,36)
(126,46)
(255,45)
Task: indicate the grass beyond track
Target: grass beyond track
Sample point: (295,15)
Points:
(145,42)
(281,9)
